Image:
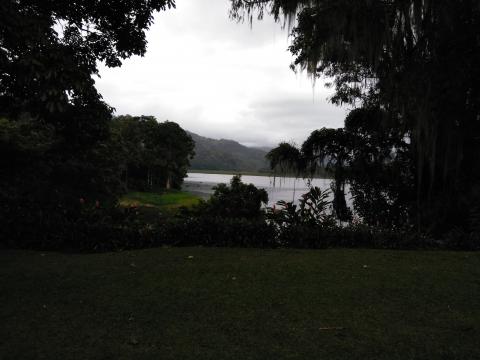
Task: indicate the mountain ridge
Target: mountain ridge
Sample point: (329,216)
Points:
(226,155)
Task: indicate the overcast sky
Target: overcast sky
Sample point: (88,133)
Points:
(220,79)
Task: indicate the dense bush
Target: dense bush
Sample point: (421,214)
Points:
(43,176)
(100,232)
(317,237)
(237,200)
(89,225)
(223,221)
(216,231)
(96,229)
(312,210)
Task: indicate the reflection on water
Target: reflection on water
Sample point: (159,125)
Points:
(288,189)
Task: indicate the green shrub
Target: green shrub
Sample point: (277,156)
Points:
(216,231)
(237,200)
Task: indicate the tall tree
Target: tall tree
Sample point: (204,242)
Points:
(49,51)
(416,60)
(54,125)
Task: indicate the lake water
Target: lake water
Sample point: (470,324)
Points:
(288,189)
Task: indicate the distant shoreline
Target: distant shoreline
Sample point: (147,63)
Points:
(231,172)
(323,175)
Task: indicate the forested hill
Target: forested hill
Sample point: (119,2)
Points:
(211,154)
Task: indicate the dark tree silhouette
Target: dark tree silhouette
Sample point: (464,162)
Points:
(49,50)
(375,163)
(237,200)
(54,125)
(152,154)
(417,61)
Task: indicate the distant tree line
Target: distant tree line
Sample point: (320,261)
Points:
(153,154)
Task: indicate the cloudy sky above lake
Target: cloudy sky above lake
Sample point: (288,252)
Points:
(220,79)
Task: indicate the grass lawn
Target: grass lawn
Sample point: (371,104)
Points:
(167,201)
(213,303)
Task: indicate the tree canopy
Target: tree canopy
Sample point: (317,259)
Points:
(59,142)
(416,60)
(49,51)
(152,153)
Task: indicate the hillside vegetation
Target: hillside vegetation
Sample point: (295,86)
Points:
(227,155)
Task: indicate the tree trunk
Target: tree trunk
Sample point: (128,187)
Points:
(168,185)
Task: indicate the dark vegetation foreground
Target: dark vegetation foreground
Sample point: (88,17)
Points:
(212,303)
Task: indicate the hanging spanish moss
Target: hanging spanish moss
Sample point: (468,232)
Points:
(415,60)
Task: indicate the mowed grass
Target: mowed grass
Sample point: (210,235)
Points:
(167,201)
(216,303)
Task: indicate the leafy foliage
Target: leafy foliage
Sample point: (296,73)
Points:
(50,49)
(375,164)
(55,129)
(44,190)
(285,159)
(416,61)
(152,153)
(236,200)
(40,185)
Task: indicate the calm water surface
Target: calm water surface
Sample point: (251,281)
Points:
(288,189)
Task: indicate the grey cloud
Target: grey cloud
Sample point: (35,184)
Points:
(210,21)
(289,118)
(220,79)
